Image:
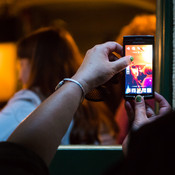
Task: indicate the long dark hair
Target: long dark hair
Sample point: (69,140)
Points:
(88,128)
(53,55)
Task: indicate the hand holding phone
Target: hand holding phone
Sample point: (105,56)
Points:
(139,76)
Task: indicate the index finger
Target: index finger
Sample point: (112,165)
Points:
(163,104)
(112,46)
(161,100)
(130,111)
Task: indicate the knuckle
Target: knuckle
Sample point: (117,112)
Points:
(169,108)
(96,48)
(88,52)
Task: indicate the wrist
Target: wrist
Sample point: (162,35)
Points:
(73,81)
(84,84)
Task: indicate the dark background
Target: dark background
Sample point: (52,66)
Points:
(89,21)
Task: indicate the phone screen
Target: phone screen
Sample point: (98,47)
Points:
(139,75)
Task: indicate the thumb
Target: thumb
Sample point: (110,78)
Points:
(122,63)
(140,112)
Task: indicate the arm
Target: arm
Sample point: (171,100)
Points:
(43,129)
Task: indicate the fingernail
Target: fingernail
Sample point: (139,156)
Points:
(131,58)
(138,98)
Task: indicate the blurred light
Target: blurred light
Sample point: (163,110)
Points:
(7,70)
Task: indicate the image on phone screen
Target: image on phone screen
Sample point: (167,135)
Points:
(139,75)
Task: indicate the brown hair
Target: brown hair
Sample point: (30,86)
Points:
(140,25)
(53,55)
(88,128)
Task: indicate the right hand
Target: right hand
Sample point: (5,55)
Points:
(97,67)
(142,113)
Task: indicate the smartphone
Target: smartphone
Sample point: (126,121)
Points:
(139,76)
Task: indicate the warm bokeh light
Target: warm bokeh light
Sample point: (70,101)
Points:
(7,70)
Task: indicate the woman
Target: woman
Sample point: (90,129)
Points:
(47,56)
(40,55)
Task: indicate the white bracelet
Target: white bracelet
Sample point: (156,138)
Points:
(74,81)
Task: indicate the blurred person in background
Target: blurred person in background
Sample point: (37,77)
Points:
(46,56)
(40,53)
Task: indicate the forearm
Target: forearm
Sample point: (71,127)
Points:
(43,130)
